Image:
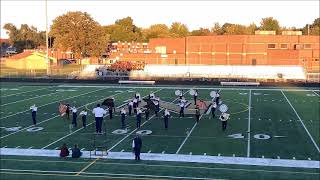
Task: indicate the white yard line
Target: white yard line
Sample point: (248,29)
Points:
(313,164)
(25,92)
(29,98)
(315,144)
(65,136)
(54,102)
(184,141)
(249,128)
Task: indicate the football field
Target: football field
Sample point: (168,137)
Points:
(272,133)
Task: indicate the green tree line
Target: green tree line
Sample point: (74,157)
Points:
(79,32)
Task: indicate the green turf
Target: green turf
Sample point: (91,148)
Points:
(270,114)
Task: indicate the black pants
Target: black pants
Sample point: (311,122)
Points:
(181,112)
(195,100)
(197,118)
(68,114)
(34,115)
(212,112)
(224,125)
(98,124)
(217,100)
(74,119)
(138,122)
(110,113)
(166,120)
(123,118)
(135,108)
(130,110)
(137,153)
(84,121)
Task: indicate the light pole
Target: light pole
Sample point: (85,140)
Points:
(47,40)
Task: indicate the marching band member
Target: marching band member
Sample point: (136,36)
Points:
(74,116)
(98,114)
(34,110)
(224,117)
(197,113)
(135,105)
(181,113)
(139,112)
(130,106)
(195,96)
(166,118)
(217,98)
(110,112)
(84,114)
(213,109)
(123,118)
(68,111)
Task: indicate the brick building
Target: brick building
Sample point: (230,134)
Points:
(224,50)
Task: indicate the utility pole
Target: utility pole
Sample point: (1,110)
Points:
(47,39)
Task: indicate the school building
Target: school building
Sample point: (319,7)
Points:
(234,50)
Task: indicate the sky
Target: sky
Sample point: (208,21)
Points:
(194,14)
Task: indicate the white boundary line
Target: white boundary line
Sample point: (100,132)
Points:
(184,141)
(159,165)
(312,164)
(29,98)
(205,88)
(136,128)
(97,175)
(26,92)
(79,128)
(315,144)
(249,124)
(54,102)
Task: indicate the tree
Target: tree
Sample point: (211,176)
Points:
(250,30)
(178,29)
(270,24)
(78,32)
(201,32)
(314,28)
(24,38)
(156,31)
(124,30)
(216,29)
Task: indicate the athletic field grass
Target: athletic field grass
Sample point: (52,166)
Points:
(274,125)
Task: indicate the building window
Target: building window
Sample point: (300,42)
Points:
(271,46)
(307,46)
(284,46)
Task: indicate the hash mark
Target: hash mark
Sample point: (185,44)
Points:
(162,152)
(149,151)
(219,154)
(122,150)
(30,147)
(309,159)
(82,149)
(56,148)
(18,147)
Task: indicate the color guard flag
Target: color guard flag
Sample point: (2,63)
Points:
(62,109)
